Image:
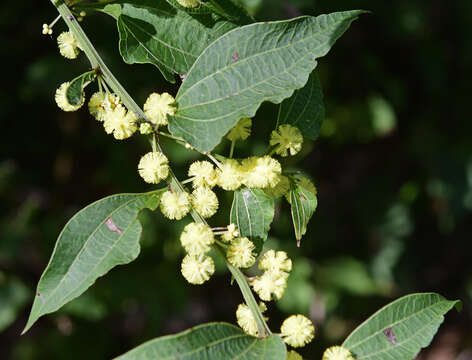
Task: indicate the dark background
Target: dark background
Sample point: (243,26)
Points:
(393,168)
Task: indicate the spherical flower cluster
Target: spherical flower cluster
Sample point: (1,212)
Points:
(337,353)
(153,167)
(275,262)
(203,174)
(246,320)
(293,355)
(288,139)
(204,201)
(261,172)
(158,106)
(229,175)
(175,205)
(63,102)
(269,284)
(189,3)
(281,189)
(100,103)
(68,45)
(119,122)
(197,269)
(230,233)
(241,253)
(297,330)
(197,238)
(145,128)
(241,130)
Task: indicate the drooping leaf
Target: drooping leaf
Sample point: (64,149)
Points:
(153,31)
(96,239)
(214,341)
(401,329)
(303,205)
(75,91)
(252,211)
(305,108)
(247,66)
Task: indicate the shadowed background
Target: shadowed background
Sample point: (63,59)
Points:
(393,167)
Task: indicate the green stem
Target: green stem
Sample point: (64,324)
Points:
(108,77)
(231,151)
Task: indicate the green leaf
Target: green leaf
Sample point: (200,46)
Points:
(401,329)
(214,341)
(247,66)
(75,91)
(96,239)
(252,211)
(303,205)
(305,108)
(153,31)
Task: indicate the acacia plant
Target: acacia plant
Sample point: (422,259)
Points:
(228,64)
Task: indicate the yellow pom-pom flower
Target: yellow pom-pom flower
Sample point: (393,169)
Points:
(158,106)
(297,330)
(68,45)
(288,139)
(203,174)
(175,205)
(241,130)
(293,355)
(229,175)
(275,262)
(100,102)
(246,320)
(119,122)
(230,233)
(145,128)
(204,201)
(241,253)
(269,284)
(189,3)
(282,187)
(261,172)
(153,167)
(197,269)
(337,353)
(197,238)
(63,102)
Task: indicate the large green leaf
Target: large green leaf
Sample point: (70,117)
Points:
(214,341)
(401,329)
(96,239)
(153,31)
(252,211)
(303,205)
(247,66)
(304,109)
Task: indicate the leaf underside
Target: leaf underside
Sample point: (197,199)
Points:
(75,91)
(303,205)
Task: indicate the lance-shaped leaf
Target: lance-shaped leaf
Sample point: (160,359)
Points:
(247,66)
(214,341)
(303,205)
(400,329)
(305,108)
(75,91)
(153,31)
(252,211)
(96,239)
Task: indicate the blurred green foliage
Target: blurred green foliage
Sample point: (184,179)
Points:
(393,169)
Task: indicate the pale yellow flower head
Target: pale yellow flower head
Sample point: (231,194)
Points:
(241,253)
(229,175)
(189,3)
(100,102)
(288,140)
(241,130)
(68,45)
(230,233)
(197,269)
(153,167)
(269,284)
(275,262)
(158,106)
(261,172)
(297,330)
(145,128)
(63,102)
(282,187)
(293,355)
(203,174)
(119,122)
(246,320)
(197,238)
(337,353)
(204,201)
(175,205)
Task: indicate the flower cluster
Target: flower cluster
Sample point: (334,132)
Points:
(337,353)
(245,318)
